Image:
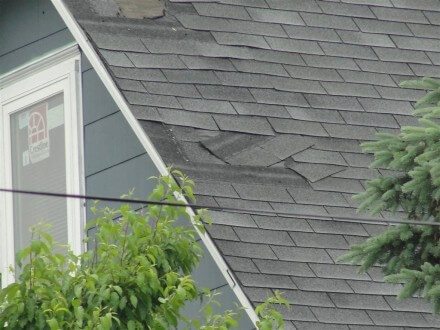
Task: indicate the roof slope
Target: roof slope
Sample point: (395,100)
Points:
(264,103)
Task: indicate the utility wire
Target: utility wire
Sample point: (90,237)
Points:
(224,209)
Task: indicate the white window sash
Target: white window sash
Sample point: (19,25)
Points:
(51,75)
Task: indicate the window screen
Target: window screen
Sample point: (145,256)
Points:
(39,163)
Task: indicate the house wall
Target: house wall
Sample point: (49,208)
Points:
(29,29)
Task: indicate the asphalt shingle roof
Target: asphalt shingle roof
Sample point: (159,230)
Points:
(264,104)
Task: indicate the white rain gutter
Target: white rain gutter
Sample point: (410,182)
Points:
(120,101)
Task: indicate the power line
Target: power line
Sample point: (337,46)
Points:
(223,209)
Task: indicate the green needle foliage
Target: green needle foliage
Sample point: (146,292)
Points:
(409,254)
(135,275)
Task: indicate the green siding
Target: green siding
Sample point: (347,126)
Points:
(28,30)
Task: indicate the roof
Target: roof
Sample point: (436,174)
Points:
(264,104)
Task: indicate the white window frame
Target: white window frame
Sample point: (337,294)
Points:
(58,72)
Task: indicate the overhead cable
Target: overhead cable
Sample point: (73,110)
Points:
(329,217)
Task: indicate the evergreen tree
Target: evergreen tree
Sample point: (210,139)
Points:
(408,254)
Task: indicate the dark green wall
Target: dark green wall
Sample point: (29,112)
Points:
(28,30)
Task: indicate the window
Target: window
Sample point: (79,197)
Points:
(40,150)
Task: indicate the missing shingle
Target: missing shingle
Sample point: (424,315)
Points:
(139,9)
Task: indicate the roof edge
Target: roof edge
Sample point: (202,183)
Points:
(110,85)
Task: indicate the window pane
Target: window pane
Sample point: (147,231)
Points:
(38,163)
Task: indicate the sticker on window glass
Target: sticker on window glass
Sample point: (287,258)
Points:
(38,134)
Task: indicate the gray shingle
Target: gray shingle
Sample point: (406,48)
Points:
(387,106)
(332,227)
(116,58)
(378,26)
(225,93)
(295,46)
(399,15)
(366,287)
(334,102)
(261,109)
(263,236)
(130,85)
(258,294)
(330,62)
(367,39)
(284,268)
(207,63)
(306,5)
(185,118)
(351,51)
(152,100)
(280,223)
(311,33)
(114,42)
(319,299)
(309,114)
(400,55)
(329,21)
(297,85)
(337,144)
(339,271)
(423,30)
(262,192)
(425,70)
(409,304)
(241,264)
(222,232)
(266,281)
(384,3)
(215,188)
(239,39)
(322,74)
(318,326)
(256,125)
(274,69)
(241,203)
(249,250)
(233,219)
(201,105)
(433,17)
(400,93)
(139,74)
(369,119)
(276,97)
(319,241)
(322,284)
(275,16)
(384,67)
(346,9)
(297,127)
(358,160)
(244,79)
(145,113)
(377,79)
(191,76)
(253,157)
(350,131)
(334,315)
(434,57)
(185,90)
(291,253)
(340,185)
(310,196)
(156,61)
(398,318)
(313,172)
(350,89)
(220,10)
(274,56)
(320,157)
(426,4)
(299,209)
(302,313)
(197,22)
(416,43)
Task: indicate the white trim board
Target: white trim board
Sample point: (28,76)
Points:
(117,96)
